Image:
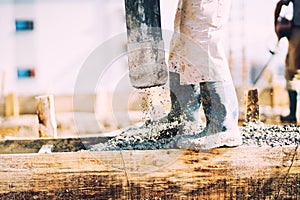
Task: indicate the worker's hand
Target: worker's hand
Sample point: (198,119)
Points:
(278,9)
(283,28)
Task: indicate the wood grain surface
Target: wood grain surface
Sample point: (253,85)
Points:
(226,173)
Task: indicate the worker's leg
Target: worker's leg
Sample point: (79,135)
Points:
(185,99)
(292,65)
(220,106)
(291,118)
(185,104)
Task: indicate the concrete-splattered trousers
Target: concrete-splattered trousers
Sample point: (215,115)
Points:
(197,54)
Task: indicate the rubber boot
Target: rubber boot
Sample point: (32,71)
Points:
(185,105)
(291,118)
(185,100)
(220,106)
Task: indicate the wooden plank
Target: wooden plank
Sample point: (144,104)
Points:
(59,144)
(252,107)
(225,173)
(46,114)
(11,105)
(22,126)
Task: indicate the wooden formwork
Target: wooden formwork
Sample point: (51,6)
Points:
(245,172)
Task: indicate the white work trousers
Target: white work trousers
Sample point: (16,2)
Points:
(197,51)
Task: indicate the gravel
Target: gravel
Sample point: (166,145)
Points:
(272,135)
(148,137)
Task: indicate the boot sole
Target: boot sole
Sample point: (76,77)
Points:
(226,139)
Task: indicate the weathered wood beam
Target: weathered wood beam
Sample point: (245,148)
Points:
(46,113)
(59,144)
(251,106)
(22,126)
(11,105)
(226,173)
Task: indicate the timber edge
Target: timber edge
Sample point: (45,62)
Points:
(245,172)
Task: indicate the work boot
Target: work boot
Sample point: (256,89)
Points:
(291,118)
(185,104)
(220,106)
